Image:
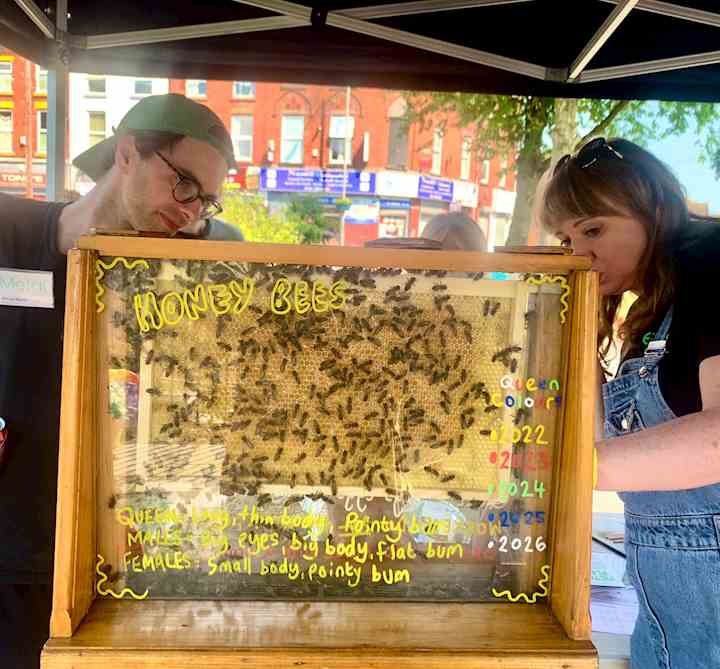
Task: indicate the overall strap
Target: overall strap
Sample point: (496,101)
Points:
(657,347)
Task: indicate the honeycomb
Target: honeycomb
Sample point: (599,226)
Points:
(389,394)
(386,397)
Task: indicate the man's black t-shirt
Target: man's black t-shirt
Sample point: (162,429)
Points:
(30,371)
(30,384)
(695,329)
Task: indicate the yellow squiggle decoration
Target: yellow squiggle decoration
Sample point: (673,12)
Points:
(545,571)
(535,281)
(101,268)
(103,578)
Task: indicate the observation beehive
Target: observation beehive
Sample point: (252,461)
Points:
(341,427)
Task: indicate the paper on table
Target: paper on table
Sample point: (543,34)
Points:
(608,567)
(613,610)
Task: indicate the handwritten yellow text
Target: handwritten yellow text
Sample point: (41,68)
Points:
(301,296)
(220,298)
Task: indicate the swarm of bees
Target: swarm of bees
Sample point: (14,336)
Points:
(374,397)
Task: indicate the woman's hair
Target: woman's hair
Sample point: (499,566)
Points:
(638,185)
(456,231)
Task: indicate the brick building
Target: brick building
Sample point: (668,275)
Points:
(23,126)
(289,139)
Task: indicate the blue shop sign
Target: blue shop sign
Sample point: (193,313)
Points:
(316,181)
(435,189)
(395,204)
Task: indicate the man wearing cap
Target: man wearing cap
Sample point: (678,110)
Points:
(161,172)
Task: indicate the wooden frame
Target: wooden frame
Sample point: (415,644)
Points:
(154,634)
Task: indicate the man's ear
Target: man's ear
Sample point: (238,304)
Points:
(126,153)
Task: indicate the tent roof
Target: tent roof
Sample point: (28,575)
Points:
(487,46)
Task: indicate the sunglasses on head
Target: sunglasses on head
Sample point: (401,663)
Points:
(589,154)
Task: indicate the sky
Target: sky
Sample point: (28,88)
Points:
(681,154)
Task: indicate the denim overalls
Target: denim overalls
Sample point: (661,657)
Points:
(672,539)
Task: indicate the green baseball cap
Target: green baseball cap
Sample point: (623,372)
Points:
(164,113)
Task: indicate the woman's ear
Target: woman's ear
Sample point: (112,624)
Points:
(126,153)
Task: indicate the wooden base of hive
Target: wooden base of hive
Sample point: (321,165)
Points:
(312,635)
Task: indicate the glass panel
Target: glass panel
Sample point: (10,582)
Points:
(292,139)
(290,432)
(97,122)
(293,127)
(465,158)
(6,134)
(143,87)
(242,134)
(337,150)
(41,79)
(196,88)
(398,144)
(96,85)
(242,125)
(6,79)
(42,132)
(97,127)
(340,127)
(437,151)
(244,89)
(485,177)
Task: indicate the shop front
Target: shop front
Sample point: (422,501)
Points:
(13,180)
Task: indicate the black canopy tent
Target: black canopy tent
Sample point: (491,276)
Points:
(621,49)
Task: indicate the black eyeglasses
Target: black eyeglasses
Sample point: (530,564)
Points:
(187,190)
(589,154)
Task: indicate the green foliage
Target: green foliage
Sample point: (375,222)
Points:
(308,212)
(249,214)
(520,128)
(505,122)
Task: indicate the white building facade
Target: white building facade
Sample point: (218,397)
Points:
(97,105)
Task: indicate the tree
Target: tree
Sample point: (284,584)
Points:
(312,223)
(251,216)
(535,132)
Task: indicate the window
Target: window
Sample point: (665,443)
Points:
(502,178)
(241,131)
(96,85)
(243,89)
(41,142)
(41,80)
(6,78)
(341,127)
(143,87)
(196,88)
(292,133)
(397,143)
(466,158)
(6,131)
(437,151)
(485,172)
(97,127)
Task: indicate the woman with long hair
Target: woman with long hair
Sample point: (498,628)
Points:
(623,208)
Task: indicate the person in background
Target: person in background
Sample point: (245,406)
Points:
(162,172)
(456,231)
(624,209)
